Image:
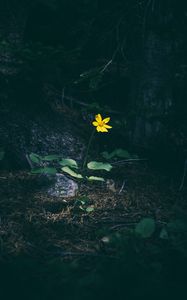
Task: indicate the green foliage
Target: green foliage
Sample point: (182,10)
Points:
(45,170)
(121,153)
(95,178)
(145,228)
(51,164)
(83,203)
(71,172)
(95,165)
(68,163)
(50,157)
(35,158)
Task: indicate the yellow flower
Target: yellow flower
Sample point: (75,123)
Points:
(101,124)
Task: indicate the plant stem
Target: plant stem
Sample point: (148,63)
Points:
(88,148)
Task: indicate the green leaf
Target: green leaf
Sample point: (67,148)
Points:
(50,157)
(94,165)
(68,162)
(145,227)
(90,208)
(121,153)
(92,178)
(35,158)
(46,170)
(71,172)
(37,171)
(83,200)
(164,234)
(2,154)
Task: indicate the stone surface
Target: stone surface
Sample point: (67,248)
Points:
(63,187)
(22,134)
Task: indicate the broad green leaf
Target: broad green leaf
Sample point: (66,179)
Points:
(35,158)
(71,172)
(2,154)
(145,227)
(45,170)
(68,162)
(92,178)
(50,157)
(94,165)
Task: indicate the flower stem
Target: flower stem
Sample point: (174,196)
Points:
(88,148)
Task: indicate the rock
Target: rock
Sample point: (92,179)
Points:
(22,134)
(63,187)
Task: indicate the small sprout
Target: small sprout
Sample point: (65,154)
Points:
(83,204)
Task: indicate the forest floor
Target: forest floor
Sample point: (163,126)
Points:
(56,242)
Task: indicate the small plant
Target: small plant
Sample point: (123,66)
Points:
(52,164)
(83,204)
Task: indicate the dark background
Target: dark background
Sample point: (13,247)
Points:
(131,54)
(61,63)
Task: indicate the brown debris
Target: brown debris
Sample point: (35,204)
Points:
(38,225)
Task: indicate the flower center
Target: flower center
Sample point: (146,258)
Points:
(101,123)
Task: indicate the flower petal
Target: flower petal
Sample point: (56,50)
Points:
(98,118)
(95,123)
(98,128)
(107,126)
(106,120)
(103,129)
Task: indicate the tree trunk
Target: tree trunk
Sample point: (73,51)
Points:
(152,83)
(13,16)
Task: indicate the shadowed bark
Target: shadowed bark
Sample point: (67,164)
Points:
(13,17)
(152,86)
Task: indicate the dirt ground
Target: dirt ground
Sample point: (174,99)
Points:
(37,225)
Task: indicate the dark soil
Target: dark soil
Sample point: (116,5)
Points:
(33,223)
(51,249)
